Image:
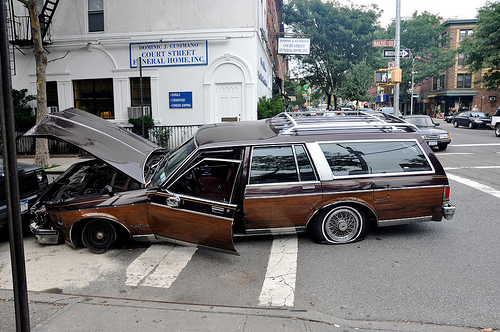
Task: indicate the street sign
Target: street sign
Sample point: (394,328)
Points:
(391,65)
(404,53)
(383,43)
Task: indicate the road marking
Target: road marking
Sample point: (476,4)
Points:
(476,144)
(278,288)
(475,185)
(473,167)
(458,153)
(159,266)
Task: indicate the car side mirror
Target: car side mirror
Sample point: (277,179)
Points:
(436,124)
(109,190)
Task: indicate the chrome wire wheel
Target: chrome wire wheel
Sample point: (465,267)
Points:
(342,224)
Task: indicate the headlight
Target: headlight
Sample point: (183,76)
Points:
(444,135)
(40,176)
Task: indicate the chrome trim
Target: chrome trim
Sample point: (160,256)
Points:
(448,210)
(282,196)
(319,160)
(194,198)
(404,221)
(193,212)
(272,231)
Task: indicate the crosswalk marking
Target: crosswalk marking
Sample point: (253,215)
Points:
(279,283)
(474,184)
(159,266)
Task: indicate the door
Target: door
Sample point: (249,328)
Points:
(282,190)
(229,101)
(198,207)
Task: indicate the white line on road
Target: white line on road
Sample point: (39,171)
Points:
(476,144)
(475,185)
(279,284)
(159,266)
(473,167)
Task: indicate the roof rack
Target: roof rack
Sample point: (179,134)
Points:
(290,123)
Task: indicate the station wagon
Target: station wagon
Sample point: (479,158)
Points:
(330,176)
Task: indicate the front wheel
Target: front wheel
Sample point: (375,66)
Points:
(455,124)
(98,235)
(340,224)
(442,146)
(497,130)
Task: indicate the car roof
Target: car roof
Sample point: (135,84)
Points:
(289,127)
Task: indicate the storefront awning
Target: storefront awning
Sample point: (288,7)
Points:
(381,98)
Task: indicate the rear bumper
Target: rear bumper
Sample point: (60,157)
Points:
(448,210)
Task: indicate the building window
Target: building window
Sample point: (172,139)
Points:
(96,15)
(95,96)
(51,89)
(464,33)
(461,59)
(135,92)
(464,81)
(441,82)
(434,83)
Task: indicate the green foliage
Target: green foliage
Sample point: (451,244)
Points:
(23,118)
(269,107)
(340,37)
(482,50)
(137,125)
(162,135)
(357,82)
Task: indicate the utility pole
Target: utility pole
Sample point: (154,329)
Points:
(397,55)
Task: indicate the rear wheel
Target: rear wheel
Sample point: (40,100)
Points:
(98,235)
(340,224)
(497,130)
(471,125)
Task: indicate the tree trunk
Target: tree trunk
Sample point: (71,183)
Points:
(42,156)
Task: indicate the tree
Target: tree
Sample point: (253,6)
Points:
(23,120)
(357,82)
(42,157)
(482,50)
(340,37)
(423,36)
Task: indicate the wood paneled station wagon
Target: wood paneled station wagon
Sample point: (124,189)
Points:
(330,176)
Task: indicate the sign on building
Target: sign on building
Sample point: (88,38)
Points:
(180,99)
(299,46)
(161,54)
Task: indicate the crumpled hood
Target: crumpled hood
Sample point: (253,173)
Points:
(103,139)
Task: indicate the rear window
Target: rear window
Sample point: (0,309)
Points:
(357,158)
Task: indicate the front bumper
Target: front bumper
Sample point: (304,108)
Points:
(448,210)
(44,235)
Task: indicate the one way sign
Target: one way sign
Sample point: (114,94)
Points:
(404,53)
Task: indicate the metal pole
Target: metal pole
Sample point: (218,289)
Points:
(397,48)
(139,64)
(412,87)
(12,182)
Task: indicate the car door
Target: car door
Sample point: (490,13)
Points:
(282,190)
(199,206)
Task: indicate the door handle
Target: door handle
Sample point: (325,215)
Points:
(173,201)
(311,187)
(217,209)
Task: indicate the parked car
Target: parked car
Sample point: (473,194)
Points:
(449,118)
(471,119)
(435,137)
(32,182)
(495,122)
(332,176)
(388,110)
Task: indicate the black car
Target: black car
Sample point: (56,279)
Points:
(32,182)
(435,137)
(471,119)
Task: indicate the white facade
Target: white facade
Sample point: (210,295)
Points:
(217,58)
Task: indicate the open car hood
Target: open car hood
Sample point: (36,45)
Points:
(103,139)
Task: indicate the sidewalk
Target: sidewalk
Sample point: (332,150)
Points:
(61,162)
(51,312)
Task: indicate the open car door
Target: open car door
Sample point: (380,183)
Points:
(198,208)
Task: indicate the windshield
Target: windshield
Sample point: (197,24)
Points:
(421,121)
(478,115)
(171,160)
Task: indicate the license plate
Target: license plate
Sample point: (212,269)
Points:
(433,143)
(24,206)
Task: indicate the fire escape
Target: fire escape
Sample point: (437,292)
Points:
(19,28)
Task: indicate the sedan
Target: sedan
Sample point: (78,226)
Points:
(435,137)
(471,119)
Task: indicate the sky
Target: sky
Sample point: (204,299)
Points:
(445,8)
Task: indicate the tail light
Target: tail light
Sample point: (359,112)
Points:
(446,194)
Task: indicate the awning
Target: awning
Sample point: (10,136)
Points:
(381,98)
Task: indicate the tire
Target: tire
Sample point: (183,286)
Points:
(340,224)
(455,124)
(497,130)
(442,146)
(471,125)
(98,235)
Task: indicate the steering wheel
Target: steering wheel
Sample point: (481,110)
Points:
(198,180)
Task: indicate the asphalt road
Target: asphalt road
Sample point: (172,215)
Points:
(444,273)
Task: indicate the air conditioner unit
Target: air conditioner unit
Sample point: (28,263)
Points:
(52,109)
(135,112)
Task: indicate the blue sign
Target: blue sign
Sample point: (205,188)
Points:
(180,99)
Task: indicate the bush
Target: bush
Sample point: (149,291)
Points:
(23,118)
(137,125)
(269,107)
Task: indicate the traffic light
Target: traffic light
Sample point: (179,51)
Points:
(381,77)
(397,75)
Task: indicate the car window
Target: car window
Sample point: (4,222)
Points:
(355,158)
(273,164)
(306,170)
(171,160)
